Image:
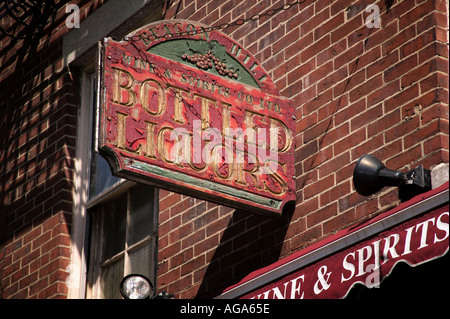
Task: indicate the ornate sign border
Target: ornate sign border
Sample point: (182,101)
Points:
(172,94)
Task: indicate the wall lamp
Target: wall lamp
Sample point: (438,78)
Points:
(135,286)
(370,176)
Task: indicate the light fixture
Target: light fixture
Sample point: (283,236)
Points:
(135,286)
(370,176)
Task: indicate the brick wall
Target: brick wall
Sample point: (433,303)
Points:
(357,90)
(38,122)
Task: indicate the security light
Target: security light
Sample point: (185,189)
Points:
(370,176)
(135,286)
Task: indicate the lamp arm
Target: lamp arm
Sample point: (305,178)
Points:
(391,177)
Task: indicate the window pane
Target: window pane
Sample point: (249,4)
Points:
(110,280)
(142,216)
(141,261)
(101,177)
(114,226)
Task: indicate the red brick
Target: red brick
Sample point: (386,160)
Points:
(181,258)
(306,151)
(368,147)
(318,187)
(169,277)
(339,6)
(365,88)
(331,24)
(332,78)
(398,40)
(382,64)
(382,93)
(317,131)
(353,139)
(321,215)
(315,48)
(319,73)
(307,237)
(284,68)
(434,144)
(360,36)
(434,81)
(299,72)
(330,53)
(286,40)
(398,8)
(390,149)
(406,158)
(346,56)
(418,73)
(401,98)
(334,135)
(356,90)
(353,80)
(350,201)
(365,210)
(417,43)
(336,223)
(334,165)
(422,134)
(433,112)
(378,36)
(205,245)
(347,28)
(416,14)
(384,123)
(306,95)
(401,129)
(169,201)
(344,173)
(315,103)
(315,21)
(169,251)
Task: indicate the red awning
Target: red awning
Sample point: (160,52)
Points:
(414,232)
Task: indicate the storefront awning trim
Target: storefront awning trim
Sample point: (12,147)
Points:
(396,216)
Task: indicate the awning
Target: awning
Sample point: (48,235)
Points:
(414,232)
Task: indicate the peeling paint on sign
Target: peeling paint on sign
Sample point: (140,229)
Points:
(190,110)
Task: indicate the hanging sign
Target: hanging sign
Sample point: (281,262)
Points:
(188,109)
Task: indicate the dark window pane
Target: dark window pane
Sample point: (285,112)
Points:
(114,226)
(141,261)
(142,216)
(101,177)
(110,280)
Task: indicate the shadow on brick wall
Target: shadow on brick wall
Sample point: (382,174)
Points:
(249,242)
(37,145)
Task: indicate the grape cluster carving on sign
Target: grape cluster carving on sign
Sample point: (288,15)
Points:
(189,110)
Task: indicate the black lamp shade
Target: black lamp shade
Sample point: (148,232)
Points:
(370,175)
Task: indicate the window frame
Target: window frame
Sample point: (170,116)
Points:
(82,243)
(94,285)
(78,53)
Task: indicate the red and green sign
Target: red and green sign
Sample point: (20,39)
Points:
(188,109)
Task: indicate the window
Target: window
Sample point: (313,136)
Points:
(123,240)
(122,217)
(94,186)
